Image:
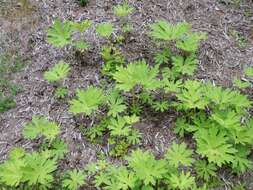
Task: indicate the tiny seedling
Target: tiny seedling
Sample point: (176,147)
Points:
(83,2)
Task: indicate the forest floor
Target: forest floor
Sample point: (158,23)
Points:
(228,49)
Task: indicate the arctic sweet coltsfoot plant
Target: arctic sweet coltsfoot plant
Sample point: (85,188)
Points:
(144,171)
(28,170)
(41,126)
(74,180)
(122,11)
(105,29)
(180,33)
(87,101)
(162,30)
(58,72)
(112,58)
(137,73)
(60,34)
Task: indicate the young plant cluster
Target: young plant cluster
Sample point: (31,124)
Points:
(216,119)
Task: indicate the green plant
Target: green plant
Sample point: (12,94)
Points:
(74,180)
(58,72)
(33,169)
(178,154)
(9,64)
(143,171)
(83,2)
(6,103)
(192,96)
(183,181)
(179,33)
(205,170)
(214,144)
(61,92)
(241,84)
(161,106)
(162,30)
(59,34)
(146,168)
(185,66)
(122,10)
(81,45)
(81,26)
(240,39)
(105,29)
(136,73)
(116,104)
(41,126)
(190,42)
(249,71)
(121,125)
(87,100)
(162,56)
(112,58)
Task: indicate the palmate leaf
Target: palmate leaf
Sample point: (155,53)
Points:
(171,86)
(178,154)
(160,106)
(59,148)
(116,104)
(121,179)
(81,45)
(182,127)
(41,126)
(248,71)
(11,170)
(186,66)
(183,181)
(105,29)
(39,169)
(81,26)
(241,84)
(163,56)
(134,137)
(123,10)
(190,42)
(121,126)
(242,135)
(137,73)
(87,100)
(214,145)
(146,167)
(205,170)
(58,72)
(227,119)
(241,162)
(101,178)
(59,34)
(74,180)
(192,96)
(225,98)
(162,30)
